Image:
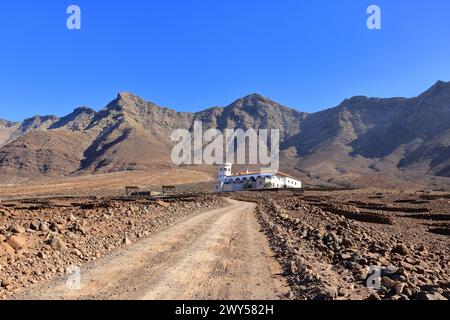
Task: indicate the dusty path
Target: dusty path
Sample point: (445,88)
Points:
(220,254)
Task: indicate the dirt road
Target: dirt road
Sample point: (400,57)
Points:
(221,254)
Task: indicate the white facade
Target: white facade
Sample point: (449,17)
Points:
(229,182)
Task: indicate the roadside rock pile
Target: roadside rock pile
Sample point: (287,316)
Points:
(396,285)
(354,213)
(38,243)
(328,255)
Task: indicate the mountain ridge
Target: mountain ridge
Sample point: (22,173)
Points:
(360,137)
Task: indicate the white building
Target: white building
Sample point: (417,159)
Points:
(229,182)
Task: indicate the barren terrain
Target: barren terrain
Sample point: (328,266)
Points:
(103,184)
(40,239)
(327,241)
(216,255)
(260,245)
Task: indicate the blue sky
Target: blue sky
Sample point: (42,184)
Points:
(193,54)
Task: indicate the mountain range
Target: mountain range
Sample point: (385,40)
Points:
(363,141)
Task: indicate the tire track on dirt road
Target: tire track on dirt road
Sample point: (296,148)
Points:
(220,254)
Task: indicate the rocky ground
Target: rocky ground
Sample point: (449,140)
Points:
(327,242)
(41,239)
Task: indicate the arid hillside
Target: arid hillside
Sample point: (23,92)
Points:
(362,142)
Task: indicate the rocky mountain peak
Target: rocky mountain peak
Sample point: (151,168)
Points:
(440,88)
(7,124)
(129,99)
(355,100)
(83,109)
(130,103)
(38,122)
(439,85)
(78,120)
(126,96)
(253,100)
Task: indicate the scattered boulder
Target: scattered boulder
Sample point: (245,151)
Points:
(388,282)
(401,249)
(4,283)
(162,204)
(293,268)
(347,242)
(330,292)
(423,295)
(126,241)
(54,226)
(35,225)
(17,242)
(57,243)
(399,289)
(374,296)
(77,227)
(6,250)
(42,255)
(44,227)
(18,229)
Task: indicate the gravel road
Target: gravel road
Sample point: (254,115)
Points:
(220,254)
